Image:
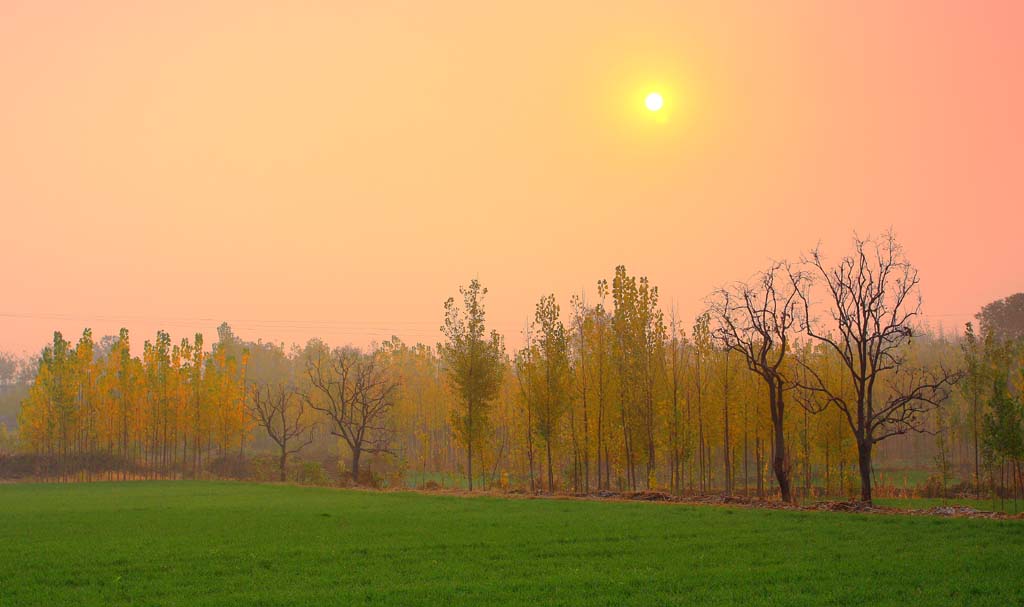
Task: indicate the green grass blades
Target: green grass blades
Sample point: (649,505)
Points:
(1008,506)
(205,543)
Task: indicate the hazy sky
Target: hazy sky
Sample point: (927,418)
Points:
(339,168)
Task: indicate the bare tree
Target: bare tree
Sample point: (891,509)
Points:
(874,299)
(281,411)
(356,393)
(757,321)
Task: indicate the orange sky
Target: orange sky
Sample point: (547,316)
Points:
(338,169)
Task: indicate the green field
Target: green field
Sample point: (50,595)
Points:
(1008,506)
(206,543)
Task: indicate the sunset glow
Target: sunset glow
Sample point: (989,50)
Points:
(343,148)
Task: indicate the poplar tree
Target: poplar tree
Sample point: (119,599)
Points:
(552,358)
(474,363)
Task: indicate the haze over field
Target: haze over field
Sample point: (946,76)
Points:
(336,170)
(512,303)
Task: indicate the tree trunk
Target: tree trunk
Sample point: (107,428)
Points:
(586,446)
(607,467)
(355,465)
(864,459)
(551,482)
(726,453)
(726,450)
(700,440)
(758,464)
(469,461)
(746,458)
(779,466)
(284,465)
(977,458)
(600,431)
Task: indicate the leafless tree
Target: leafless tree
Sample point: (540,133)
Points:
(874,299)
(757,320)
(356,392)
(281,411)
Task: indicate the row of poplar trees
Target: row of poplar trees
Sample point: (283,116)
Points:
(621,397)
(787,384)
(170,410)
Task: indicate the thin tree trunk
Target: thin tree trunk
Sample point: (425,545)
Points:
(469,447)
(551,481)
(356,453)
(726,451)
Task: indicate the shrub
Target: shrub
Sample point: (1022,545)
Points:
(230,466)
(311,473)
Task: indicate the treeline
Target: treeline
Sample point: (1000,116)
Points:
(788,384)
(168,411)
(16,376)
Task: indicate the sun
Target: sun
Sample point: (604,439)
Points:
(654,101)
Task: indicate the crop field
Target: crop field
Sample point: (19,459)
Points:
(219,543)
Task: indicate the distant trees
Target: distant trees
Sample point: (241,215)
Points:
(8,440)
(976,383)
(1004,318)
(991,387)
(674,371)
(702,362)
(581,374)
(474,362)
(17,374)
(422,409)
(1003,436)
(9,365)
(356,393)
(162,413)
(605,395)
(873,300)
(592,379)
(121,380)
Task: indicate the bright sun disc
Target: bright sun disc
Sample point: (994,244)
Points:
(654,102)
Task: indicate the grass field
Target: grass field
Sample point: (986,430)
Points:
(1008,506)
(206,543)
